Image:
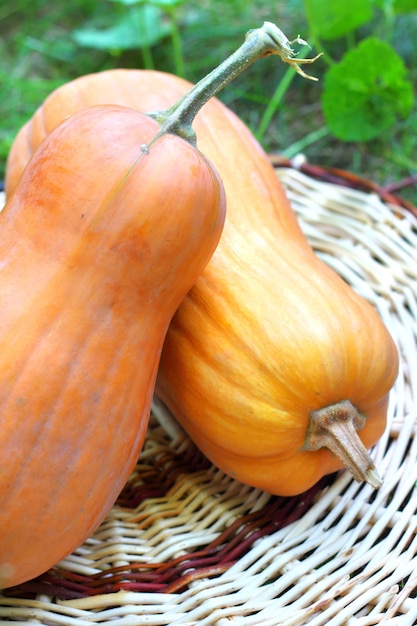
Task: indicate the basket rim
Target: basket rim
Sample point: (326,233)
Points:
(345,178)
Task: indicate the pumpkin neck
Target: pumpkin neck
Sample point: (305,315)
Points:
(258,43)
(335,427)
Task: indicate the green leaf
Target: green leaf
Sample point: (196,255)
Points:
(405,6)
(396,6)
(129,3)
(165,4)
(335,18)
(366,92)
(140,27)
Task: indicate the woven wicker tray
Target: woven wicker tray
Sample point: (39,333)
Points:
(186,544)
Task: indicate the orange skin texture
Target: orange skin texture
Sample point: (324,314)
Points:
(268,333)
(95,257)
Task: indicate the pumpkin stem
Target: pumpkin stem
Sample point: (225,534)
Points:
(259,43)
(334,427)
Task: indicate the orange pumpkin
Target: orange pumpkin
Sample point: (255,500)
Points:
(92,270)
(268,335)
(275,367)
(109,226)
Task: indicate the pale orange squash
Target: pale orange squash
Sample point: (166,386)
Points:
(92,269)
(268,335)
(109,226)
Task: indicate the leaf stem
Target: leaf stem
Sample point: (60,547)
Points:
(176,47)
(274,103)
(299,146)
(313,35)
(147,57)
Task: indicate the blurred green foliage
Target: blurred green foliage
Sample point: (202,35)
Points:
(368,104)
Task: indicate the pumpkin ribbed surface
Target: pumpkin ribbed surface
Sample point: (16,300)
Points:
(86,302)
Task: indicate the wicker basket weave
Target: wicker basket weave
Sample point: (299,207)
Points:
(185,544)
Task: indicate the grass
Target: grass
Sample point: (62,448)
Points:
(38,52)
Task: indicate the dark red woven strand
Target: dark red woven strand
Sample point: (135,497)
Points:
(176,574)
(348,179)
(157,479)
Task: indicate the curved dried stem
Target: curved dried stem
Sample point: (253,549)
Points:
(335,427)
(258,43)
